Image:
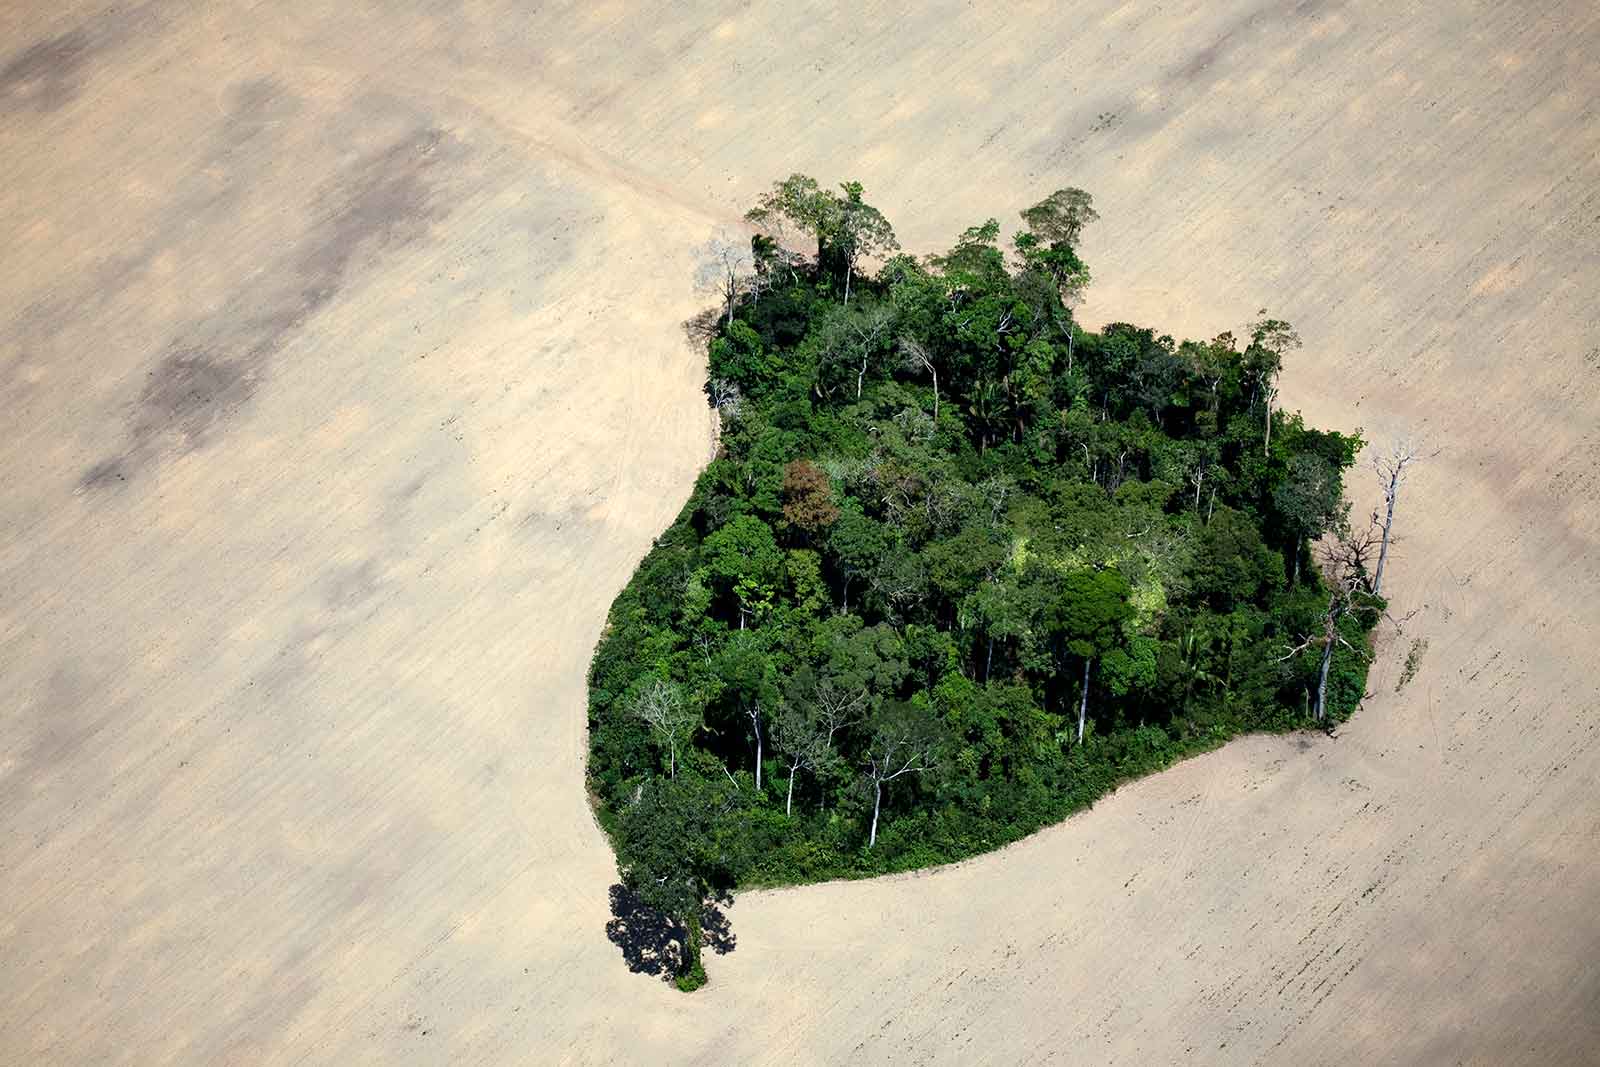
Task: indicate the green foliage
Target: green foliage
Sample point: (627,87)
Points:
(1419,647)
(930,508)
(692,979)
(1086,611)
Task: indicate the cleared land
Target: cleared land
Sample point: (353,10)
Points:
(343,388)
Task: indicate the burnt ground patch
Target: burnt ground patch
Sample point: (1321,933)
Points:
(50,73)
(47,74)
(381,203)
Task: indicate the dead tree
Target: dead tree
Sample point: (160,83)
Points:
(725,396)
(803,729)
(918,358)
(903,742)
(802,741)
(724,267)
(660,704)
(810,716)
(1390,467)
(866,336)
(1344,556)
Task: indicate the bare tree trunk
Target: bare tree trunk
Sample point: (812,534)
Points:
(1391,471)
(1083,700)
(1320,712)
(1191,664)
(877,801)
(935,374)
(1383,549)
(691,940)
(861,376)
(755,724)
(788,804)
(1266,448)
(988,663)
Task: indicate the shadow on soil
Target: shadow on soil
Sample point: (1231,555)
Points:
(652,943)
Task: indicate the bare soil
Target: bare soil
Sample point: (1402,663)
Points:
(344,386)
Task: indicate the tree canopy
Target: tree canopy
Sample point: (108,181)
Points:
(959,565)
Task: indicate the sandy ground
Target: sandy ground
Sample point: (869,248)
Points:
(343,387)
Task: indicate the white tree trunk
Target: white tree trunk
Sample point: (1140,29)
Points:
(1083,700)
(1320,712)
(877,800)
(755,724)
(1391,492)
(1330,635)
(788,803)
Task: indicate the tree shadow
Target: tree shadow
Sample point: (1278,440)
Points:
(652,943)
(701,328)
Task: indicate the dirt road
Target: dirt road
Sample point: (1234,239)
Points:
(340,360)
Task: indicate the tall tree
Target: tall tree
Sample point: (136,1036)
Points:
(1344,559)
(1309,500)
(808,497)
(844,226)
(746,557)
(1270,341)
(1050,243)
(861,231)
(660,704)
(868,333)
(1086,615)
(747,674)
(1060,217)
(919,359)
(798,201)
(804,728)
(724,267)
(904,740)
(858,545)
(1390,467)
(669,856)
